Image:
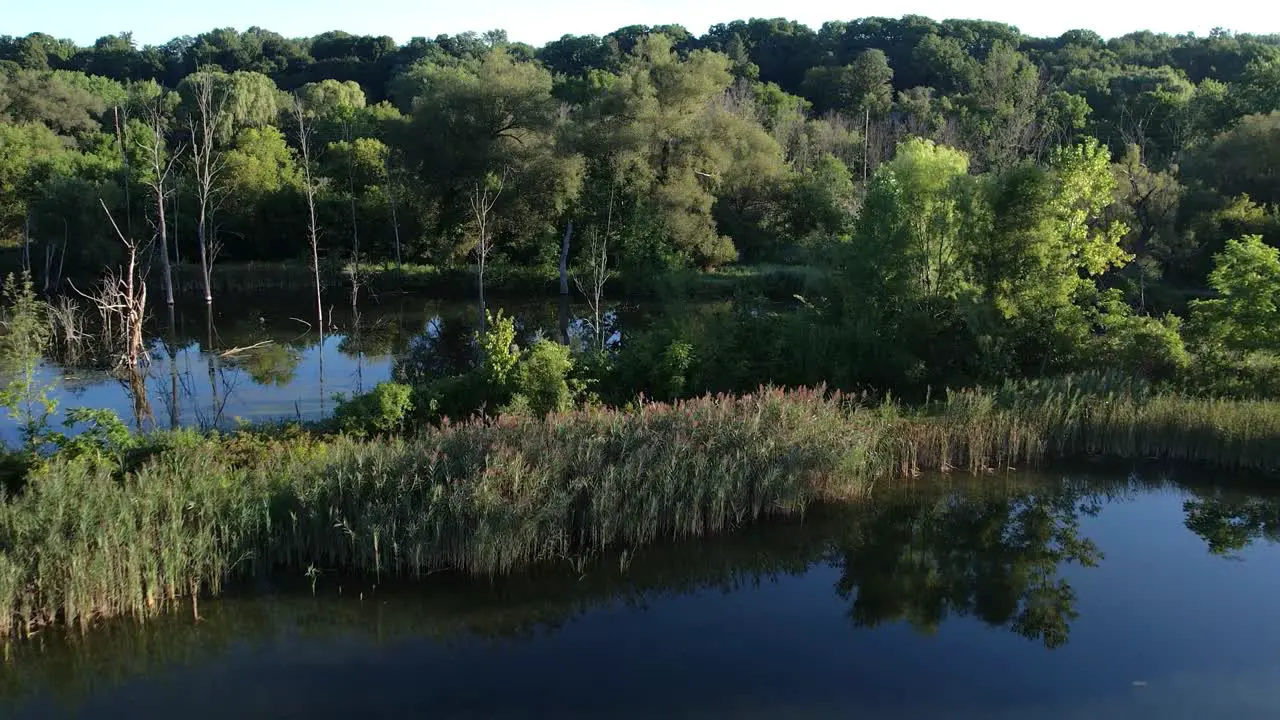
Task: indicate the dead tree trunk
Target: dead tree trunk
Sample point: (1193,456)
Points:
(158,171)
(484,197)
(597,275)
(309,187)
(355,223)
(206,163)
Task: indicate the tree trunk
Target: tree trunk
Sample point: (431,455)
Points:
(62,256)
(564,319)
(204,257)
(564,260)
(395,227)
(484,317)
(26,243)
(175,413)
(163,231)
(49,251)
(355,253)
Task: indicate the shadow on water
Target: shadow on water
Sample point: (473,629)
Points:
(924,555)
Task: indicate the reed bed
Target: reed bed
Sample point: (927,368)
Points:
(90,539)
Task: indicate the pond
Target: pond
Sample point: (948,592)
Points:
(257,357)
(1051,596)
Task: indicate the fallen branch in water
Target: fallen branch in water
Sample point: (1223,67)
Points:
(237,350)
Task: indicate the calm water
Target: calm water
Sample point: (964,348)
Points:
(257,358)
(1005,598)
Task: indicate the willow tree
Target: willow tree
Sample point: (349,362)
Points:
(493,116)
(908,241)
(664,133)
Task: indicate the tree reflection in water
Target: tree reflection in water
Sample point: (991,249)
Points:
(995,557)
(1230,521)
(991,549)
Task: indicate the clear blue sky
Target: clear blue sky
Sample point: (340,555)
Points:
(156,21)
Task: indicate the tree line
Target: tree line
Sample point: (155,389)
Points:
(972,187)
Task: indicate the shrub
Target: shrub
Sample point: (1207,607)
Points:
(543,378)
(24,334)
(1145,346)
(380,410)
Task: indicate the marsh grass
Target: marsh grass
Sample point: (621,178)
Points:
(89,538)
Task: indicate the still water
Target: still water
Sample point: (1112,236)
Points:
(259,358)
(1023,597)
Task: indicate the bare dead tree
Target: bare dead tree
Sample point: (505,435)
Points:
(26,243)
(121,300)
(52,276)
(206,164)
(124,295)
(392,193)
(305,130)
(351,202)
(597,274)
(160,165)
(126,172)
(484,197)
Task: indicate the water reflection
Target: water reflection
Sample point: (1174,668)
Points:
(994,557)
(1230,521)
(257,359)
(1021,556)
(993,551)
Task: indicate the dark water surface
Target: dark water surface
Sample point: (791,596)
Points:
(1046,597)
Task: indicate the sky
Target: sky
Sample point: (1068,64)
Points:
(536,22)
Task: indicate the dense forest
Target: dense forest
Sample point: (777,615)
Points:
(981,204)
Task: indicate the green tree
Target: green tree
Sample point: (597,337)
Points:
(823,200)
(866,85)
(262,183)
(660,135)
(492,116)
(24,336)
(1242,160)
(1245,317)
(1037,244)
(909,237)
(30,153)
(1001,108)
(1147,202)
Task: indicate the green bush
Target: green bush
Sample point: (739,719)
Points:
(1144,346)
(498,351)
(507,380)
(380,410)
(544,378)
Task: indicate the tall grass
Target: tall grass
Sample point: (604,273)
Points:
(88,538)
(82,542)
